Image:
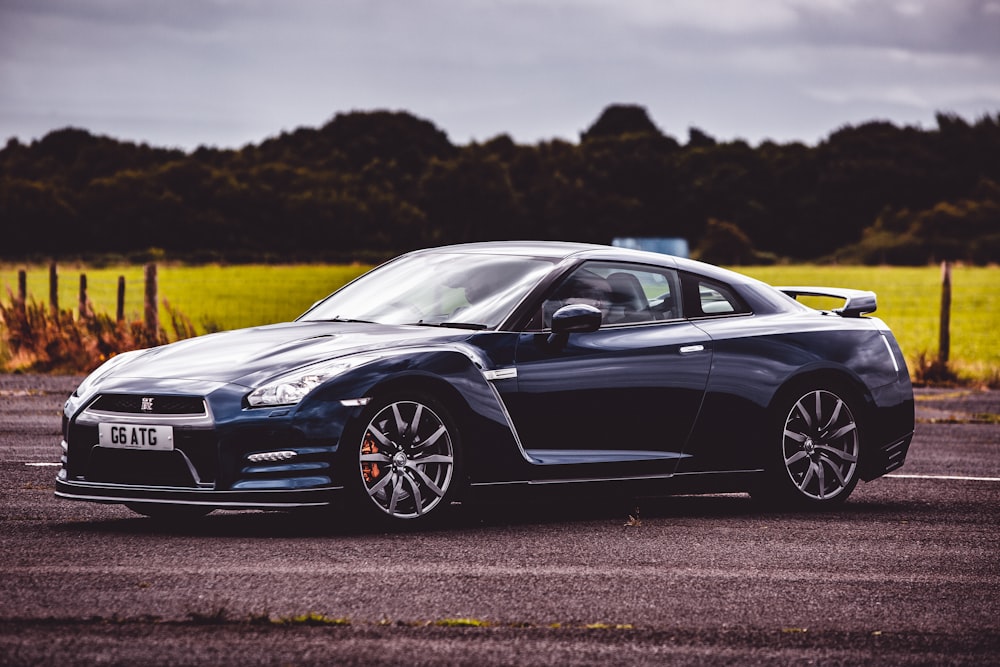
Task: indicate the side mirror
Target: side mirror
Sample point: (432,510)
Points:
(576,318)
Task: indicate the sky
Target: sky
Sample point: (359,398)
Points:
(225,73)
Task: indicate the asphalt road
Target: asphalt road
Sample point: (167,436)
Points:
(906,573)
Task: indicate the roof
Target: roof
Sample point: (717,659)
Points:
(559,250)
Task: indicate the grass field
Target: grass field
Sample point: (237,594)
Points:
(228,297)
(213,297)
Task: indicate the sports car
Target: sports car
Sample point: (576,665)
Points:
(497,367)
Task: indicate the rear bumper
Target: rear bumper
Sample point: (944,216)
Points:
(256,499)
(890,421)
(885,459)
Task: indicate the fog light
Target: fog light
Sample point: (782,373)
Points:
(283,455)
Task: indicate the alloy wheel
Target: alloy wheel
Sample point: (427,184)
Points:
(821,445)
(407,459)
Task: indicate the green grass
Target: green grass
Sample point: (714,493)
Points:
(462,623)
(229,297)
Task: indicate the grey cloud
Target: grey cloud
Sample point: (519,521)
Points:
(227,72)
(950,26)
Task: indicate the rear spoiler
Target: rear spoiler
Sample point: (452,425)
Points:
(856,302)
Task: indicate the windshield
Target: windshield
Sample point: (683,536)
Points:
(475,291)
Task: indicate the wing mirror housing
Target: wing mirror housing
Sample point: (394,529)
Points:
(576,318)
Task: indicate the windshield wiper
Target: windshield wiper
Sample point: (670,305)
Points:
(338,318)
(453,325)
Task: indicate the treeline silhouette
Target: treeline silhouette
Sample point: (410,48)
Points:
(369,184)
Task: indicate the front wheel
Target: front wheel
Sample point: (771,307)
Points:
(406,463)
(815,462)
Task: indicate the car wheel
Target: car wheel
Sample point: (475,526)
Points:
(819,446)
(164,512)
(406,463)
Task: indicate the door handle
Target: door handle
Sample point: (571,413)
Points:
(688,349)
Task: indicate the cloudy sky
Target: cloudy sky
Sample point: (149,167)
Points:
(183,73)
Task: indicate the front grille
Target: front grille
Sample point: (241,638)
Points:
(123,466)
(140,404)
(200,446)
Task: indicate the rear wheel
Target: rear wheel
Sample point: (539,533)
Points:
(815,460)
(406,463)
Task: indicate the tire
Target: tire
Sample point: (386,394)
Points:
(814,456)
(172,513)
(405,465)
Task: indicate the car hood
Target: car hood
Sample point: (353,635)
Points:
(249,357)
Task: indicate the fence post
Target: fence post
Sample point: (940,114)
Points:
(22,291)
(82,307)
(944,339)
(120,310)
(152,311)
(22,286)
(53,291)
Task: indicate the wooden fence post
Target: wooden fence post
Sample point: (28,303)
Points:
(152,310)
(54,291)
(944,339)
(120,310)
(82,307)
(22,291)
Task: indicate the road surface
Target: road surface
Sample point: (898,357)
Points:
(906,573)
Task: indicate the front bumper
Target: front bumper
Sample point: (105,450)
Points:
(135,494)
(224,455)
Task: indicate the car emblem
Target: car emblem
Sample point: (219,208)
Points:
(147,404)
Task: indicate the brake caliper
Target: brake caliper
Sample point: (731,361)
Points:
(370,471)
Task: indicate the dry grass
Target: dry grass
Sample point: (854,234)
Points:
(38,340)
(928,370)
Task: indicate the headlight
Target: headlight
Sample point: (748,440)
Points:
(104,369)
(291,388)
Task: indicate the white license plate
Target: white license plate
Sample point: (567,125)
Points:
(136,436)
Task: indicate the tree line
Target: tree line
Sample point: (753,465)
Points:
(369,184)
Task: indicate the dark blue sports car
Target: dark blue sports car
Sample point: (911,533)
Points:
(500,366)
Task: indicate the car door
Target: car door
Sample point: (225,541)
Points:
(630,390)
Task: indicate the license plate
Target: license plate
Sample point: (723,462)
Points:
(155,438)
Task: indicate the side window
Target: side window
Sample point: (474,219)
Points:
(713,301)
(624,293)
(707,298)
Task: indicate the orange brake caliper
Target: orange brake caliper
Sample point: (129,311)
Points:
(370,471)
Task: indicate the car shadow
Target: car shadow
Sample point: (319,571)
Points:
(482,515)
